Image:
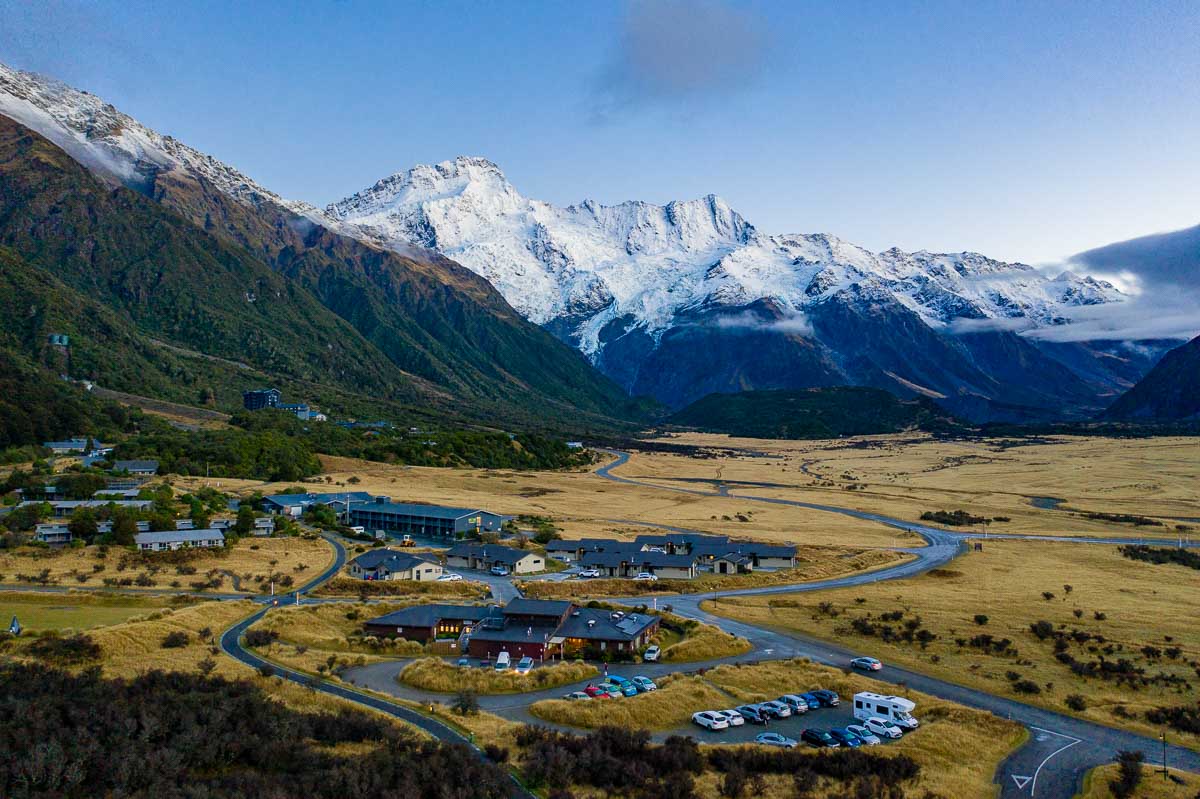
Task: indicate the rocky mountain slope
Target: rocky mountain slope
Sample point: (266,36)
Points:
(1170,392)
(421,328)
(686,299)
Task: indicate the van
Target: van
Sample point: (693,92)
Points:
(895,709)
(358,529)
(503,661)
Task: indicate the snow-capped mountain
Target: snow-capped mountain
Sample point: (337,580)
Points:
(115,144)
(650,264)
(599,275)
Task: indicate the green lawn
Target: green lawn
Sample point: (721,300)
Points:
(64,611)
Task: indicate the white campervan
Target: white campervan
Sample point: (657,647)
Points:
(895,709)
(503,660)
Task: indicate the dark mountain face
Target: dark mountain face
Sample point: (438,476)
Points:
(854,338)
(1169,392)
(287,299)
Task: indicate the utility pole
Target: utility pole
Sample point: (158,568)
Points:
(1163,735)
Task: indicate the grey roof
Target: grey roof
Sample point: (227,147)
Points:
(606,559)
(416,509)
(605,628)
(537,607)
(393,560)
(491,552)
(136,466)
(170,536)
(734,557)
(95,503)
(678,539)
(515,633)
(285,500)
(430,615)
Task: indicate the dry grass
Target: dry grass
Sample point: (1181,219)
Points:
(905,475)
(253,560)
(350,586)
(700,642)
(435,674)
(814,563)
(1185,785)
(1143,604)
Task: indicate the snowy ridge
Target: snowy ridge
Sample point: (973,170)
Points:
(108,141)
(589,264)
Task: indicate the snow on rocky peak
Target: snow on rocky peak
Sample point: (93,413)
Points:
(587,265)
(112,143)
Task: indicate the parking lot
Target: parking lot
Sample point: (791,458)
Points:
(792,726)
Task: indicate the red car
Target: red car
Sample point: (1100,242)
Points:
(596,692)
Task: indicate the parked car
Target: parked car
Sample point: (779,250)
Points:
(845,737)
(796,703)
(646,576)
(778,710)
(577,695)
(864,735)
(500,571)
(866,664)
(614,691)
(753,714)
(733,717)
(485,664)
(775,739)
(449,577)
(812,702)
(464,662)
(588,574)
(596,692)
(644,684)
(503,661)
(883,728)
(525,665)
(826,698)
(651,654)
(819,739)
(710,720)
(625,686)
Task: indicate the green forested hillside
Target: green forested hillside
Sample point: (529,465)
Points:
(814,413)
(160,305)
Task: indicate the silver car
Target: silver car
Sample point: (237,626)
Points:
(777,709)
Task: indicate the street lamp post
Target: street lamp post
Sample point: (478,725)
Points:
(1163,737)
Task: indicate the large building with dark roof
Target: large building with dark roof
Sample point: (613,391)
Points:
(487,556)
(540,629)
(672,555)
(428,521)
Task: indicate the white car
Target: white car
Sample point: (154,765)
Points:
(710,720)
(732,716)
(651,654)
(449,577)
(883,728)
(524,665)
(577,695)
(864,735)
(589,574)
(647,576)
(500,571)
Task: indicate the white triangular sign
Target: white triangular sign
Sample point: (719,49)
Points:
(1021,781)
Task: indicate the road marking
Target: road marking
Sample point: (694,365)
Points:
(1021,781)
(1073,741)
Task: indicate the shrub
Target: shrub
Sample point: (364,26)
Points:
(1026,687)
(259,637)
(176,639)
(1076,702)
(981,619)
(465,703)
(266,670)
(1129,774)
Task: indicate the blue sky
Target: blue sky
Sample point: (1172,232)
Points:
(1026,131)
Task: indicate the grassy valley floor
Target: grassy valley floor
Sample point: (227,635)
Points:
(1100,608)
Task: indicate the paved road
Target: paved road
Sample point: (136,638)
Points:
(1060,749)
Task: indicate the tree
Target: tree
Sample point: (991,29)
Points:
(124,521)
(83,524)
(206,666)
(465,703)
(1129,774)
(245,521)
